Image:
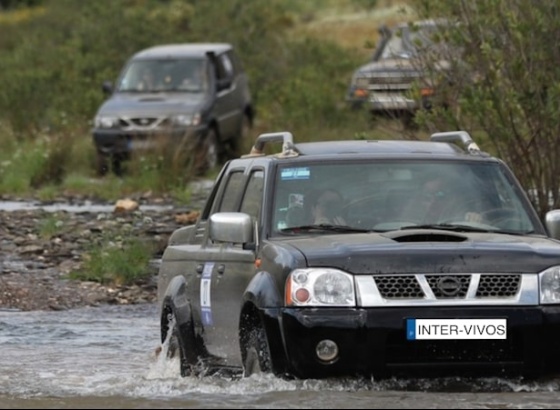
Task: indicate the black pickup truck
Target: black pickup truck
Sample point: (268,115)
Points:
(436,264)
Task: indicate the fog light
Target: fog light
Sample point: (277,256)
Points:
(327,351)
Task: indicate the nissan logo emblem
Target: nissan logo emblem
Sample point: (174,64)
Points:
(449,285)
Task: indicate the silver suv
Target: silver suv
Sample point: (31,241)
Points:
(192,97)
(385,84)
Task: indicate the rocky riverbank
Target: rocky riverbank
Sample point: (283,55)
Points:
(39,248)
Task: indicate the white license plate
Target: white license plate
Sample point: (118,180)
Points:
(456,329)
(140,145)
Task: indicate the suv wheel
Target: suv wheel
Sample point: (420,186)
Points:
(102,164)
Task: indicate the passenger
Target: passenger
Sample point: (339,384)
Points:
(195,80)
(147,80)
(326,207)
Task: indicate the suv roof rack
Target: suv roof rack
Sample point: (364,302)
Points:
(457,136)
(285,137)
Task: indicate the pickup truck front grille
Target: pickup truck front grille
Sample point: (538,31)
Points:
(445,286)
(421,289)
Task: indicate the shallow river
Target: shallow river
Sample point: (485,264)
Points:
(105,358)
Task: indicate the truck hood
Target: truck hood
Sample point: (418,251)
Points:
(151,104)
(430,251)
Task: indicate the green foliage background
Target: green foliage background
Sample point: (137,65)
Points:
(54,63)
(55,54)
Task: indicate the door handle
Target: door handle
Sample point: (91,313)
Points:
(221,269)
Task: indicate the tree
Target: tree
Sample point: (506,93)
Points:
(506,85)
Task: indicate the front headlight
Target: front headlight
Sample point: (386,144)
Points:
(549,281)
(361,82)
(186,120)
(102,121)
(320,287)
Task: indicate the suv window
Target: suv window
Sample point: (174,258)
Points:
(165,75)
(390,195)
(225,67)
(231,193)
(252,199)
(407,41)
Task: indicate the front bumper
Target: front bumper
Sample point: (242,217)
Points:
(388,102)
(373,342)
(122,142)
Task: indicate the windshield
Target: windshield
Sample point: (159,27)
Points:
(407,41)
(391,195)
(182,75)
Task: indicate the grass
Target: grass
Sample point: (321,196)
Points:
(116,261)
(350,26)
(50,226)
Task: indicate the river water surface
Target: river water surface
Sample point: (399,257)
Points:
(105,358)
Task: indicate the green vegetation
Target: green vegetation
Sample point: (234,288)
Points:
(505,85)
(116,261)
(50,226)
(54,56)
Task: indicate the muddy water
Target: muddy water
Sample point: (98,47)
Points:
(104,358)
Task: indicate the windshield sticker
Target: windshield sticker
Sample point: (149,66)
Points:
(205,298)
(295,173)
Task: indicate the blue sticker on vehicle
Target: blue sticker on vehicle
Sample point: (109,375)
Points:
(411,329)
(205,294)
(288,174)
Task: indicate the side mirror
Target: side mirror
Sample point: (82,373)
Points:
(107,87)
(552,222)
(231,227)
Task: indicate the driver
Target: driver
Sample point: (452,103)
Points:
(438,201)
(326,207)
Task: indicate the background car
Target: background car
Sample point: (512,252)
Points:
(192,98)
(385,84)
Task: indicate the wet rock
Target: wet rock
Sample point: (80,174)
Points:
(35,263)
(126,205)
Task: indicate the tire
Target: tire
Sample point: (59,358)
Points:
(207,152)
(257,353)
(182,342)
(116,164)
(102,164)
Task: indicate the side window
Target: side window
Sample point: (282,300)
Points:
(231,193)
(252,200)
(225,67)
(237,66)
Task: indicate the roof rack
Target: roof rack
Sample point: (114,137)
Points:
(457,136)
(285,137)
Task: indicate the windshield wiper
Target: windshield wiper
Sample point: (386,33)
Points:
(325,227)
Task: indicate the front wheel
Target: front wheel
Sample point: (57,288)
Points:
(102,164)
(182,342)
(257,353)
